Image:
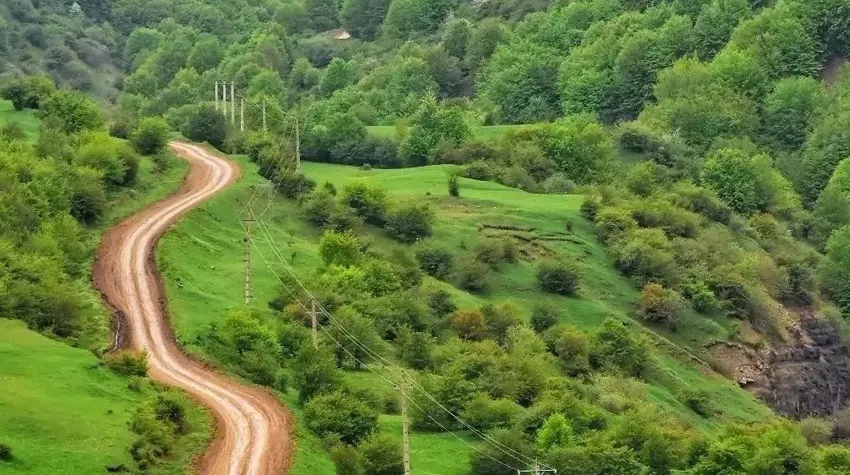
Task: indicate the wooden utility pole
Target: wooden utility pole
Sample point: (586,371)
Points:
(232,103)
(216,96)
(314,321)
(249,228)
(265,127)
(405,424)
(242,114)
(224,90)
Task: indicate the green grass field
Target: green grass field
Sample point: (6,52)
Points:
(62,412)
(201,259)
(483,132)
(26,119)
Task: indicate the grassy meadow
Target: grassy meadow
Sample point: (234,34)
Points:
(61,411)
(202,262)
(26,119)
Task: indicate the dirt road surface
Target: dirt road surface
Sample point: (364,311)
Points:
(252,434)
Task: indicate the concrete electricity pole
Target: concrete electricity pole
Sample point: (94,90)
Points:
(249,227)
(265,127)
(232,104)
(216,96)
(242,114)
(297,143)
(315,324)
(224,90)
(405,424)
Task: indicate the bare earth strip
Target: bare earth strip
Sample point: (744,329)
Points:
(252,427)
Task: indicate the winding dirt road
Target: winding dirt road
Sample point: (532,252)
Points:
(252,435)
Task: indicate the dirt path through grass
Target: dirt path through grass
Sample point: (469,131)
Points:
(252,427)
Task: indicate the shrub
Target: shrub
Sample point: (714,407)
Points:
(480,170)
(816,431)
(613,346)
(571,347)
(294,185)
(128,363)
(12,132)
(484,413)
(436,262)
(660,305)
(381,454)
(340,416)
(369,202)
(544,316)
(560,278)
(207,125)
(454,185)
(343,249)
(315,372)
(346,461)
(101,153)
(470,324)
(150,136)
(590,207)
(471,275)
(698,401)
(410,223)
(88,198)
(5,452)
(613,223)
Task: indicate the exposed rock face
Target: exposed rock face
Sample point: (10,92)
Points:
(810,376)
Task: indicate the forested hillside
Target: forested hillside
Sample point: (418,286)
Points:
(671,201)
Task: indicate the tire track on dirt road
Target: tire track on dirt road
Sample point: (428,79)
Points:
(252,427)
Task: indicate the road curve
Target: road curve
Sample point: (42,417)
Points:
(252,436)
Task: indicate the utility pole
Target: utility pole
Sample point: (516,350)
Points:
(297,143)
(314,322)
(232,104)
(249,228)
(224,90)
(537,470)
(242,114)
(265,127)
(405,424)
(216,96)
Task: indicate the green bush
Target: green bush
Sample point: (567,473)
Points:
(346,460)
(484,413)
(544,316)
(343,249)
(151,136)
(5,452)
(590,207)
(436,262)
(340,416)
(381,454)
(615,347)
(410,223)
(560,278)
(128,363)
(207,125)
(698,401)
(472,275)
(369,202)
(660,305)
(571,347)
(454,185)
(294,185)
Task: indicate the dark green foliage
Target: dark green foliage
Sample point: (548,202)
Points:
(293,185)
(454,185)
(315,372)
(436,262)
(151,136)
(715,23)
(158,423)
(616,347)
(410,223)
(791,110)
(369,202)
(346,460)
(471,275)
(363,18)
(5,453)
(836,270)
(340,416)
(381,455)
(322,14)
(660,305)
(414,348)
(559,278)
(128,363)
(494,461)
(74,111)
(411,18)
(544,316)
(207,125)
(698,401)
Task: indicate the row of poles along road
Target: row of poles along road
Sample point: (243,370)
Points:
(251,218)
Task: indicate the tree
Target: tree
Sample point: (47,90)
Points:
(836,268)
(436,262)
(791,109)
(322,15)
(207,125)
(556,432)
(560,278)
(544,316)
(410,18)
(315,372)
(74,111)
(338,74)
(206,55)
(363,18)
(431,126)
(340,416)
(571,347)
(715,24)
(150,136)
(456,37)
(828,144)
(343,249)
(613,346)
(410,223)
(381,454)
(732,174)
(470,324)
(496,460)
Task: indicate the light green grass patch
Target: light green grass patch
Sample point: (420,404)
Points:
(26,119)
(62,412)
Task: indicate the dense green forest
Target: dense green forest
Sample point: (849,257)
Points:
(707,140)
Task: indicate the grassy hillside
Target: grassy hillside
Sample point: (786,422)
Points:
(62,412)
(201,259)
(26,119)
